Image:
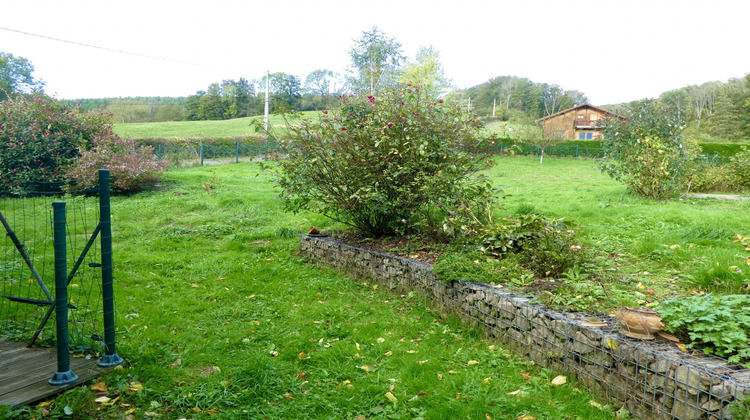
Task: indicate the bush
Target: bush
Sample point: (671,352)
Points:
(713,175)
(723,149)
(647,152)
(131,168)
(400,162)
(38,138)
(546,246)
(710,178)
(740,164)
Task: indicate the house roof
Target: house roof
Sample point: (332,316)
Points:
(585,105)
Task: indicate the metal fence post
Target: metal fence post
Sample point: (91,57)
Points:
(110,357)
(64,375)
(160,153)
(237,154)
(201,154)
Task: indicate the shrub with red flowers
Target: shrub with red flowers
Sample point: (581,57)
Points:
(131,167)
(397,162)
(38,138)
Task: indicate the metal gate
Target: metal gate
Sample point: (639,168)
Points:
(86,295)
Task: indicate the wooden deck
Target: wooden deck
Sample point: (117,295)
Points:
(25,372)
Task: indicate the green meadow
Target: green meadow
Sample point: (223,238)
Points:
(218,315)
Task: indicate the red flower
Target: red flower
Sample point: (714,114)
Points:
(343,128)
(390,124)
(440,101)
(325,112)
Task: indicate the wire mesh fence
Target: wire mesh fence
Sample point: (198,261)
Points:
(207,154)
(27,282)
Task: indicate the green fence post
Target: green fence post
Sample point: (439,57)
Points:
(237,153)
(577,150)
(64,375)
(110,357)
(201,154)
(160,153)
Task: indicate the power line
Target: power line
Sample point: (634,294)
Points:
(103,48)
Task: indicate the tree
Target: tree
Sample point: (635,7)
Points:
(647,152)
(427,72)
(376,59)
(15,76)
(321,87)
(703,97)
(534,136)
(678,100)
(286,89)
(725,120)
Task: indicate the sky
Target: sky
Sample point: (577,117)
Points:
(611,50)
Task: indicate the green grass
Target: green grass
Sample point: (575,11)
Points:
(219,316)
(676,247)
(198,129)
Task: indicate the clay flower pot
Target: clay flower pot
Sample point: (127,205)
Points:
(639,323)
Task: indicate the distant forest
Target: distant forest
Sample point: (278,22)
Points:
(712,111)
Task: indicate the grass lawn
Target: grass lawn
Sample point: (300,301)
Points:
(198,129)
(218,316)
(677,247)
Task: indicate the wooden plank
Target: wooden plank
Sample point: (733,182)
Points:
(85,369)
(25,373)
(11,359)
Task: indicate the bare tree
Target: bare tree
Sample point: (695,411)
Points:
(704,97)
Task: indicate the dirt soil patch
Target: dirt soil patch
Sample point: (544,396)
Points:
(420,249)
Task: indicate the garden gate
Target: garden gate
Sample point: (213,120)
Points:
(34,303)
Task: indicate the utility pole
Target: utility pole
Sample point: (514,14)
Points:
(268,88)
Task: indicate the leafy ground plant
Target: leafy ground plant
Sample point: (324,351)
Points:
(716,324)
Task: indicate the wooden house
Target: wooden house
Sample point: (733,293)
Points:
(582,122)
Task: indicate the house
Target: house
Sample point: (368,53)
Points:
(582,122)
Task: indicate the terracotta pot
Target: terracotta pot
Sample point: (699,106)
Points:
(639,323)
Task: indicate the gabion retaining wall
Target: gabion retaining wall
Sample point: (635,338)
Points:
(654,381)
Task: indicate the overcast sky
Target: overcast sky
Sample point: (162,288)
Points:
(611,50)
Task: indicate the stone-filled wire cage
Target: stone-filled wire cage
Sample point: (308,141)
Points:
(652,380)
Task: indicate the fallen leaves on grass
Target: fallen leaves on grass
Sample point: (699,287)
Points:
(559,380)
(99,387)
(392,398)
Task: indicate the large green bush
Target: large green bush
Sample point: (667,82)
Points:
(647,152)
(38,138)
(398,162)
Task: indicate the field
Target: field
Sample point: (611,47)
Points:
(685,243)
(218,316)
(197,129)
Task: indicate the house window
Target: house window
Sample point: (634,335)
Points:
(585,135)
